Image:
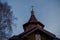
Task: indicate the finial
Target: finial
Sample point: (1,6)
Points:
(32,12)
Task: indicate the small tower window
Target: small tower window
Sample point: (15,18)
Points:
(38,37)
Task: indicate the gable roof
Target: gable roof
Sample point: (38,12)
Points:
(26,33)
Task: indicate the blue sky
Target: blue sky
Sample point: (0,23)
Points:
(46,11)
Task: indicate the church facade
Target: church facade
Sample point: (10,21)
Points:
(34,30)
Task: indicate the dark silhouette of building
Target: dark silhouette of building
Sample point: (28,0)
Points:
(34,30)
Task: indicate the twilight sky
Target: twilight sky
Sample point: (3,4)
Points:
(46,11)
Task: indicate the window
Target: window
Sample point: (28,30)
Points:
(38,37)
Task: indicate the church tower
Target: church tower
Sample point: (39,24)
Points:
(33,22)
(34,30)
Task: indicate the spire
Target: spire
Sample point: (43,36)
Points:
(33,21)
(32,12)
(33,18)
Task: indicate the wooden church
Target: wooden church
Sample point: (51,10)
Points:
(34,30)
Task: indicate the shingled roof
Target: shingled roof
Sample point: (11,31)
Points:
(24,34)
